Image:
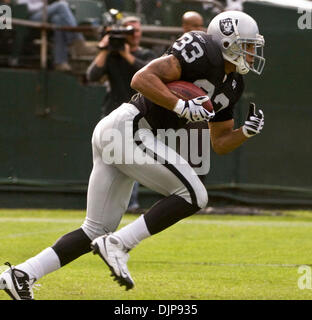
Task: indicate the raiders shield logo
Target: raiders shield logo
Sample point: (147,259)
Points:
(226,26)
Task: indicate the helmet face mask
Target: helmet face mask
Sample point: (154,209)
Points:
(252,48)
(238,37)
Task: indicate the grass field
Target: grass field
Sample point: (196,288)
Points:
(200,258)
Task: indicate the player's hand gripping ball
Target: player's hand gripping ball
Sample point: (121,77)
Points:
(193,104)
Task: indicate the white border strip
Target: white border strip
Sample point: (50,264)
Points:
(295,4)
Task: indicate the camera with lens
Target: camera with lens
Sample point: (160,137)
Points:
(117,37)
(117,33)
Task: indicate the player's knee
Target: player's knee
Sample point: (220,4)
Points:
(198,197)
(92,229)
(62,5)
(56,19)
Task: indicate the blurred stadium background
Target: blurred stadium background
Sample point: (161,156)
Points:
(47,117)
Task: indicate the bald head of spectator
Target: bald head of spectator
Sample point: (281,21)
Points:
(192,20)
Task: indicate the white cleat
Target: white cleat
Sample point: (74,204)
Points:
(16,283)
(114,254)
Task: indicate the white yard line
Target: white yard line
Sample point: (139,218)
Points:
(221,264)
(26,234)
(40,220)
(241,223)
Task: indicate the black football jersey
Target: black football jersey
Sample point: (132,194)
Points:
(201,63)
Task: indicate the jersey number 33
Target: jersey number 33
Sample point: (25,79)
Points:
(220,101)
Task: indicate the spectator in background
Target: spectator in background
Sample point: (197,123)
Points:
(120,66)
(60,14)
(192,20)
(234,5)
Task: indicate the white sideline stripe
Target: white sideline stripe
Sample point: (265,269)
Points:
(25,234)
(231,223)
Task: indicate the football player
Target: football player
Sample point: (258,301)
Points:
(216,61)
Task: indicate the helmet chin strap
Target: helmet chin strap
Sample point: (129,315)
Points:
(239,62)
(241,67)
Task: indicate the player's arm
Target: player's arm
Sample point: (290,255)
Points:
(224,138)
(150,81)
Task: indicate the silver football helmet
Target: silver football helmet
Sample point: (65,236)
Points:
(237,34)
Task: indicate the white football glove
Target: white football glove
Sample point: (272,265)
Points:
(254,122)
(193,110)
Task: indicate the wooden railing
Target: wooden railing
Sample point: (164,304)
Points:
(45,27)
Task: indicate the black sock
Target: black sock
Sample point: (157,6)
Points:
(71,246)
(167,212)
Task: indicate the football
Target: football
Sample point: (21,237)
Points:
(187,91)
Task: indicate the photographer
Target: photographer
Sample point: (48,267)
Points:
(120,63)
(120,60)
